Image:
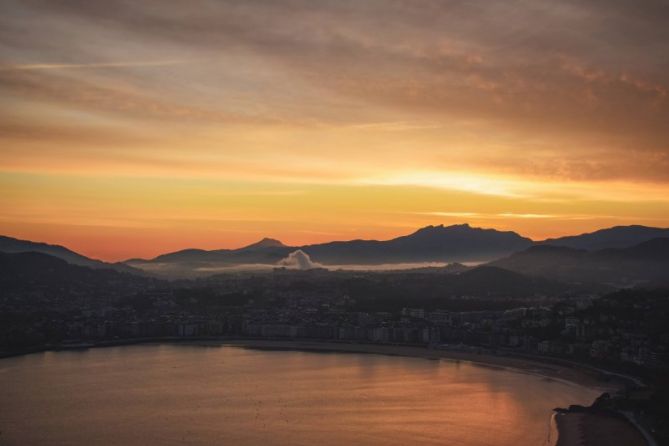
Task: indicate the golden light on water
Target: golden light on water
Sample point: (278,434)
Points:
(209,395)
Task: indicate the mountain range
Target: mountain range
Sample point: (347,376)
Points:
(457,243)
(598,256)
(461,243)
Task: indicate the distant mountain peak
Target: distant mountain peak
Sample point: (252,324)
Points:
(265,243)
(461,230)
(441,228)
(614,237)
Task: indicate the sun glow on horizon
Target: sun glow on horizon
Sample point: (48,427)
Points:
(216,126)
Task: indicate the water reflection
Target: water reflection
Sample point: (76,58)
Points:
(168,394)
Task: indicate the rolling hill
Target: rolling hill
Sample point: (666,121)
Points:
(13,246)
(615,237)
(645,263)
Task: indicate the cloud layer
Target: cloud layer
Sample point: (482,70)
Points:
(562,89)
(537,101)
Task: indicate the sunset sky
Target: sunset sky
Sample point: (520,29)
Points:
(134,128)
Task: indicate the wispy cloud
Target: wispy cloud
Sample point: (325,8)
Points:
(522,216)
(531,216)
(452,214)
(480,215)
(460,181)
(71,66)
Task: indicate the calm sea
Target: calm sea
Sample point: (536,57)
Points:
(196,395)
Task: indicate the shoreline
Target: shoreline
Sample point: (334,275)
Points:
(553,368)
(568,427)
(597,428)
(570,374)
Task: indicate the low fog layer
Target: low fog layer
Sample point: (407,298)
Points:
(295,260)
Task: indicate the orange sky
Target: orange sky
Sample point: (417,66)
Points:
(134,128)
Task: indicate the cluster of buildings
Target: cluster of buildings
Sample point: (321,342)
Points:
(584,328)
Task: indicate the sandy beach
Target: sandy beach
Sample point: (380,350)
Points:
(577,375)
(573,429)
(587,429)
(569,372)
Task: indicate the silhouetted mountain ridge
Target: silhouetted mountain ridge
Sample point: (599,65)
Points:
(647,262)
(615,237)
(36,269)
(13,245)
(430,244)
(265,243)
(492,280)
(655,250)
